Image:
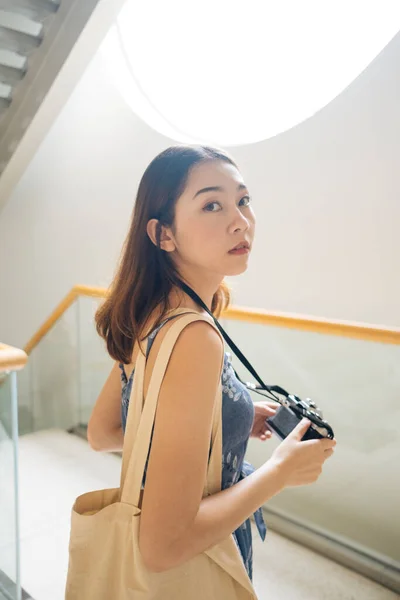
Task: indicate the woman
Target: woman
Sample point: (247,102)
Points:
(192,213)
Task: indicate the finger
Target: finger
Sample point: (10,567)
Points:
(268,411)
(274,405)
(321,443)
(328,443)
(270,405)
(328,453)
(298,432)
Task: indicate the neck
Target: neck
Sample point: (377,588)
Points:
(205,290)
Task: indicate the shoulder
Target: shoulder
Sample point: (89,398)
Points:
(202,331)
(198,352)
(200,341)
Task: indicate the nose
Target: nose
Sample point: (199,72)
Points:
(239,222)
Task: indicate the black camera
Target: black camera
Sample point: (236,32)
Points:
(290,413)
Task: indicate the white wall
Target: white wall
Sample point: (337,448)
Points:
(326,194)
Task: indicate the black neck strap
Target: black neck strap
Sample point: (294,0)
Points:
(262,386)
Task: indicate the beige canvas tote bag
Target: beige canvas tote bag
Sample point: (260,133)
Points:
(104,557)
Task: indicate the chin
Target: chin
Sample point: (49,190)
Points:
(236,270)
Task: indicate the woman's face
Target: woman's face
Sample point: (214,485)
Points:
(212,216)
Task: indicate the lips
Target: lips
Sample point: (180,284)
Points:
(240,245)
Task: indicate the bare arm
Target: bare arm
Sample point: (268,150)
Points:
(104,428)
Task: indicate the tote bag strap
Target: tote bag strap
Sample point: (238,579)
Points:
(137,393)
(135,461)
(134,414)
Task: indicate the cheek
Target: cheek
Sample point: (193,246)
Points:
(195,231)
(252,219)
(252,226)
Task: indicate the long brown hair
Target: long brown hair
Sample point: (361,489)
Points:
(146,274)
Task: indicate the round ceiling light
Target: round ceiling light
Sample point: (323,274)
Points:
(229,72)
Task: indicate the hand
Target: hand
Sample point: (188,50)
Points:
(263,410)
(300,461)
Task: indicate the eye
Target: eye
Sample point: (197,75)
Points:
(211,204)
(247,200)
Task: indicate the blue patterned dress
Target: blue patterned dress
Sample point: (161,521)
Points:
(237,422)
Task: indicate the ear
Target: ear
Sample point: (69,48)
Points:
(167,242)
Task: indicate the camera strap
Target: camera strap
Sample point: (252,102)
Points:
(272,389)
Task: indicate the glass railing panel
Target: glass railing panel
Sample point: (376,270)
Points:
(356,384)
(94,362)
(9,522)
(50,388)
(25,400)
(65,372)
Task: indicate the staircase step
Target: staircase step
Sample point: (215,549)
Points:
(20,24)
(5,91)
(37,10)
(13,60)
(10,76)
(4,104)
(17,42)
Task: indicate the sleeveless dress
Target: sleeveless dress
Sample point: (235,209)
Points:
(237,422)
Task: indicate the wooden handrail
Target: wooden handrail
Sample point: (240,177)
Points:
(11,359)
(362,331)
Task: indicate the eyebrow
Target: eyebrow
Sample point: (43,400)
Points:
(218,188)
